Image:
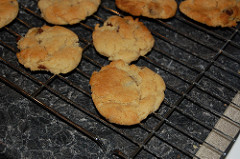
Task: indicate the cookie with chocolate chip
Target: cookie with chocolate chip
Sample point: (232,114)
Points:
(63,12)
(122,38)
(223,13)
(126,94)
(55,49)
(8,11)
(162,9)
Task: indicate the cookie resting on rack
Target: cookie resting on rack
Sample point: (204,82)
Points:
(162,9)
(63,12)
(55,49)
(8,11)
(126,94)
(122,38)
(214,13)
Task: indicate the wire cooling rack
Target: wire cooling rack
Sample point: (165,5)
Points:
(199,64)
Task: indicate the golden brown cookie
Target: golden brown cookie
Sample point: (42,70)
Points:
(62,12)
(122,38)
(224,13)
(55,49)
(162,9)
(126,94)
(8,11)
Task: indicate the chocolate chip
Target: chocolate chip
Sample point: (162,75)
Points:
(18,38)
(39,31)
(228,12)
(42,67)
(109,24)
(118,29)
(151,11)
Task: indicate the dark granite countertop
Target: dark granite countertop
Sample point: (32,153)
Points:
(199,64)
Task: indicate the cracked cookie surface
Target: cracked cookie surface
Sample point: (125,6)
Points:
(122,38)
(224,13)
(126,94)
(63,12)
(55,49)
(8,11)
(162,9)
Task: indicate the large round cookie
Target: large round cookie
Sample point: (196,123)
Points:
(162,9)
(62,12)
(8,11)
(122,38)
(224,13)
(55,49)
(126,94)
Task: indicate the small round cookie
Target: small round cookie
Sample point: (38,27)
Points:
(162,9)
(8,11)
(125,94)
(55,49)
(63,12)
(122,38)
(224,13)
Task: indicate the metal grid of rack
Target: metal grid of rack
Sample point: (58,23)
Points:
(200,66)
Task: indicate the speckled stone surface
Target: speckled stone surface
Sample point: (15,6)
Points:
(201,71)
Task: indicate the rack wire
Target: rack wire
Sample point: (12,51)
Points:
(201,75)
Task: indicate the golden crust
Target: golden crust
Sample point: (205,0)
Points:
(64,12)
(122,38)
(53,49)
(8,11)
(126,94)
(224,13)
(162,9)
